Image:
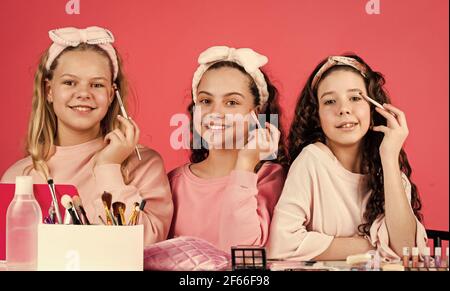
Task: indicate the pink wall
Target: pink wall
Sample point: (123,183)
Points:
(160,42)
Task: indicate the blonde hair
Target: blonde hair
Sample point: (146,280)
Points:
(42,127)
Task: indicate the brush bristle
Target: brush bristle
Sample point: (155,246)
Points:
(76,201)
(116,206)
(107,198)
(66,201)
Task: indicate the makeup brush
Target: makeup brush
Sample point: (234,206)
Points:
(118,211)
(142,205)
(51,186)
(80,209)
(132,219)
(122,213)
(136,217)
(141,208)
(125,115)
(375,103)
(138,208)
(66,201)
(107,199)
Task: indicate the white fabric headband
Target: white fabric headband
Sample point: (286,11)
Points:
(250,60)
(72,37)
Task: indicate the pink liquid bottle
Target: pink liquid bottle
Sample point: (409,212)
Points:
(22,219)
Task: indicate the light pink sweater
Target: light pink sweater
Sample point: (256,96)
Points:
(227,211)
(322,200)
(75,165)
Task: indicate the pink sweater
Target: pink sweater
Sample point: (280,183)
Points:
(226,211)
(75,165)
(322,200)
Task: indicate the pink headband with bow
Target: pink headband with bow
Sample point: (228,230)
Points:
(338,61)
(250,60)
(70,36)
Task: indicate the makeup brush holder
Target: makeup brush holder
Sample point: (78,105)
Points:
(90,247)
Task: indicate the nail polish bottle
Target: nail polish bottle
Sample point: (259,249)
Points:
(406,257)
(437,257)
(446,254)
(426,257)
(415,257)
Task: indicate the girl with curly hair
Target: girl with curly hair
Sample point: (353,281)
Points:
(348,190)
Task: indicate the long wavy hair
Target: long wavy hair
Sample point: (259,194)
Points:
(271,107)
(43,123)
(306,129)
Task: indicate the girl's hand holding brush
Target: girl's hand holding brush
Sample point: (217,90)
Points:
(119,143)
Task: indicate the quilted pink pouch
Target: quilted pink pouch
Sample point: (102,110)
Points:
(185,253)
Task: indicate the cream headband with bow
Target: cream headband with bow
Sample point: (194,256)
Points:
(250,60)
(70,36)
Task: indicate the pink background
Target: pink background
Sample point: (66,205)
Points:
(160,42)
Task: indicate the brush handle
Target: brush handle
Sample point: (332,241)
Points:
(83,213)
(109,217)
(373,101)
(138,154)
(132,217)
(113,218)
(75,219)
(117,218)
(122,216)
(55,203)
(136,219)
(77,214)
(109,220)
(67,218)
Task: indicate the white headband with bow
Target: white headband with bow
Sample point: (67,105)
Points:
(71,36)
(250,60)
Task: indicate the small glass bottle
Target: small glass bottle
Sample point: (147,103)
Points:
(22,219)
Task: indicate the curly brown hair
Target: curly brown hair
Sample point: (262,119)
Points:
(306,129)
(271,107)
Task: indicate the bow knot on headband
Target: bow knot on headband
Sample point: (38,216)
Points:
(72,37)
(250,60)
(338,61)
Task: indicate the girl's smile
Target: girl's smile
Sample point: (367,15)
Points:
(82,109)
(347,125)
